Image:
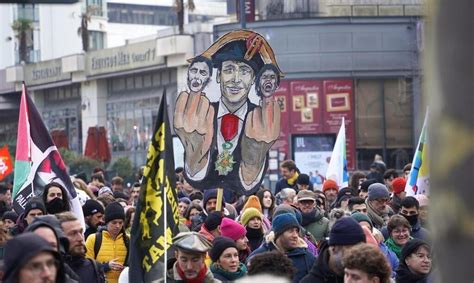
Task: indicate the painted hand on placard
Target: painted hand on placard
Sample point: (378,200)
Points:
(262,128)
(194,125)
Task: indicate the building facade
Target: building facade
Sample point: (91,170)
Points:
(118,88)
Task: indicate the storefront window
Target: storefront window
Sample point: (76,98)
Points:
(130,127)
(384,121)
(132,108)
(62,116)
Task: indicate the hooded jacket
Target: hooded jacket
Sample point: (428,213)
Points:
(320,273)
(316,224)
(19,250)
(301,257)
(85,269)
(53,223)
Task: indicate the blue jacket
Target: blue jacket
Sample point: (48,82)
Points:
(419,232)
(281,184)
(302,259)
(391,257)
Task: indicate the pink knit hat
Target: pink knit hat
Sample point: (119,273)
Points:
(232,229)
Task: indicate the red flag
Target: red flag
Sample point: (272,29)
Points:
(6,166)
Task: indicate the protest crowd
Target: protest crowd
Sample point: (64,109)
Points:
(306,230)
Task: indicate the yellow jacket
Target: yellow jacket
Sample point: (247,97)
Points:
(110,249)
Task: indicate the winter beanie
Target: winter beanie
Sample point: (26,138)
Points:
(285,208)
(232,229)
(209,194)
(284,222)
(330,184)
(35,203)
(92,207)
(398,185)
(213,220)
(359,217)
(254,202)
(378,191)
(219,245)
(11,215)
(410,247)
(303,179)
(346,231)
(248,214)
(114,211)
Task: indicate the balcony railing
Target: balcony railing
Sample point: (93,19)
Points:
(32,56)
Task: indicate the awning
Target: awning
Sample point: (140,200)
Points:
(97,146)
(60,138)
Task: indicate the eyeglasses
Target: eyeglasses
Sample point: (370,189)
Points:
(38,267)
(306,202)
(422,256)
(399,232)
(385,200)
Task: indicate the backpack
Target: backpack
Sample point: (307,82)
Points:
(98,244)
(99,273)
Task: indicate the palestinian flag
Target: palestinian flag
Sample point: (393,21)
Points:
(38,161)
(156,219)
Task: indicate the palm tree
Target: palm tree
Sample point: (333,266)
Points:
(179,7)
(83,30)
(22,27)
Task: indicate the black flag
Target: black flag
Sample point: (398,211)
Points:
(156,218)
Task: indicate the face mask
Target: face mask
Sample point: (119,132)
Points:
(55,206)
(412,219)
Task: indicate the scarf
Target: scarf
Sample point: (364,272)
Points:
(199,278)
(231,276)
(310,217)
(405,275)
(394,247)
(377,220)
(292,180)
(255,237)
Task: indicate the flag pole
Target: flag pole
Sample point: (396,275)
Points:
(165,261)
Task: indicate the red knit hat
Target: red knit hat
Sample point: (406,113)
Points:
(398,185)
(330,184)
(232,229)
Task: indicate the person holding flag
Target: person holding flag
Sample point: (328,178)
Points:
(38,161)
